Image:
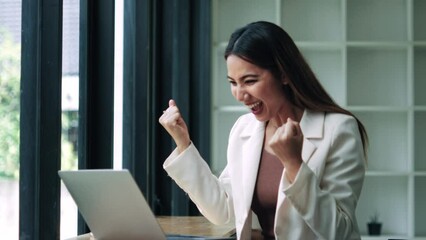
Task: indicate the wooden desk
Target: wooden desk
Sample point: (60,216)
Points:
(188,225)
(198,226)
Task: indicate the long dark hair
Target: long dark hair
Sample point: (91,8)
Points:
(270,47)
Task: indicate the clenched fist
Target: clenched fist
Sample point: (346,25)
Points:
(286,143)
(174,124)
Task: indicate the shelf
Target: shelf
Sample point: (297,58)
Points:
(370,173)
(419,141)
(378,20)
(388,149)
(383,237)
(320,45)
(419,205)
(321,20)
(378,196)
(246,10)
(377,77)
(387,174)
(388,109)
(360,109)
(419,43)
(328,67)
(419,75)
(419,108)
(241,109)
(378,44)
(419,19)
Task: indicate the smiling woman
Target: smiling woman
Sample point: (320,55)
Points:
(297,158)
(377,72)
(258,89)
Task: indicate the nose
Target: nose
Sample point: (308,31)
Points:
(239,93)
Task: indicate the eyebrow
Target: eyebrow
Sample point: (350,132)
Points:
(246,76)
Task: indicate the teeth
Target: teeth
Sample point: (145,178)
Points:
(251,106)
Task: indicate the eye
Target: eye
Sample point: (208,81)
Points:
(232,82)
(250,81)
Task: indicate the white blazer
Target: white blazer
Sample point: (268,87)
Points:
(319,204)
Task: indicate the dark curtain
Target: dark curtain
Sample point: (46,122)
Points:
(166,55)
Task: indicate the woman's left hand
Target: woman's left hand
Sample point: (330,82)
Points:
(286,143)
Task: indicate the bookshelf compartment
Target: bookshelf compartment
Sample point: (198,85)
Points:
(321,20)
(376,77)
(327,65)
(223,122)
(419,205)
(386,196)
(419,141)
(419,75)
(234,14)
(378,20)
(221,85)
(388,137)
(419,20)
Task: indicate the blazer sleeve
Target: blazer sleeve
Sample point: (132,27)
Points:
(328,205)
(210,194)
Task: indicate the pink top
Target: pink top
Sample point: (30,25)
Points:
(266,192)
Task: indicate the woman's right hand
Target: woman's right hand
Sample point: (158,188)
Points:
(174,124)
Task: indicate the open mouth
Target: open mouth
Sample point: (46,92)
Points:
(255,107)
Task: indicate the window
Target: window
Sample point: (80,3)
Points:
(81,86)
(69,102)
(10,44)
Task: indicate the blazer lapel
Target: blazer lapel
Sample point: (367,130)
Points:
(312,125)
(252,138)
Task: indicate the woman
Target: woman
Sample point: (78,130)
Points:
(296,163)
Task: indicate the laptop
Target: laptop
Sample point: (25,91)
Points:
(113,206)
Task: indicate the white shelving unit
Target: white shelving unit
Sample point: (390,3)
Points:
(370,55)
